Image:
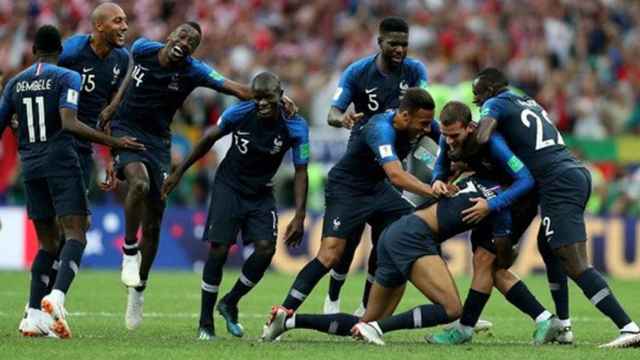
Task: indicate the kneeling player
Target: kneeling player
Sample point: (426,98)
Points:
(409,249)
(242,198)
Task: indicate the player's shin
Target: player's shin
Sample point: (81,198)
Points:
(304,284)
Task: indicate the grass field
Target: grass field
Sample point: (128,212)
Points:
(97,302)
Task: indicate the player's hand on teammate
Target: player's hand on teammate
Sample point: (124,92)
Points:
(110,180)
(129,143)
(169,184)
(442,189)
(290,107)
(349,118)
(104,119)
(477,212)
(295,231)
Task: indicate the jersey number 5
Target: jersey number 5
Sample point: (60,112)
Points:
(540,142)
(373,103)
(28,103)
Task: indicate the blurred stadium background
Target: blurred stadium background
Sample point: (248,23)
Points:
(578,58)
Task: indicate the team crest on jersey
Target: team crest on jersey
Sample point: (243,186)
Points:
(174,84)
(277,145)
(116,74)
(403,85)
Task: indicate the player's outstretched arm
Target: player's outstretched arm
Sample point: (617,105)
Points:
(71,123)
(295,229)
(241,91)
(202,147)
(338,118)
(404,180)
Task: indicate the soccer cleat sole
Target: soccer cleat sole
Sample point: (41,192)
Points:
(60,326)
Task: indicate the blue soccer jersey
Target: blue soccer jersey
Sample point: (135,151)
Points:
(155,93)
(372,91)
(101,77)
(360,168)
(531,135)
(496,163)
(36,95)
(258,147)
(450,209)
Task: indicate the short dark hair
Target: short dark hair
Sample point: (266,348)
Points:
(47,40)
(493,77)
(194,25)
(416,98)
(455,111)
(393,24)
(267,77)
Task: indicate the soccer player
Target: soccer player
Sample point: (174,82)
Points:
(373,84)
(45,99)
(495,162)
(163,76)
(242,197)
(102,62)
(563,186)
(361,186)
(409,249)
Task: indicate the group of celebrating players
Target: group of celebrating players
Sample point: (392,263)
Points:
(490,177)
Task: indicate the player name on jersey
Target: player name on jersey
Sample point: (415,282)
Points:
(36,85)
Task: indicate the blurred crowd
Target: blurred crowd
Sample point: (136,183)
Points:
(578,58)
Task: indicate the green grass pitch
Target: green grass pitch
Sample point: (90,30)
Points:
(97,301)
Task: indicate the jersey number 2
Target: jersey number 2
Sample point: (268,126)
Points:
(28,103)
(540,143)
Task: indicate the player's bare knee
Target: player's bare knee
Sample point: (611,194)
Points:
(573,258)
(265,248)
(331,251)
(482,260)
(139,186)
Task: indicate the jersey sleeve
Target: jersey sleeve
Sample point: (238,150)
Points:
(443,163)
(492,108)
(143,45)
(522,180)
(234,115)
(207,76)
(435,134)
(69,90)
(6,107)
(422,78)
(346,88)
(381,137)
(299,130)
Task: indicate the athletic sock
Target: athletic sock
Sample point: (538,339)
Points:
(335,284)
(131,248)
(69,264)
(598,292)
(558,281)
(211,278)
(304,284)
(40,277)
(53,273)
(520,296)
(252,271)
(473,306)
(419,317)
(336,324)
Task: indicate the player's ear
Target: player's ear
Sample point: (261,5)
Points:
(380,40)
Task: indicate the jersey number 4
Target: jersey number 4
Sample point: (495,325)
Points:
(541,143)
(28,103)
